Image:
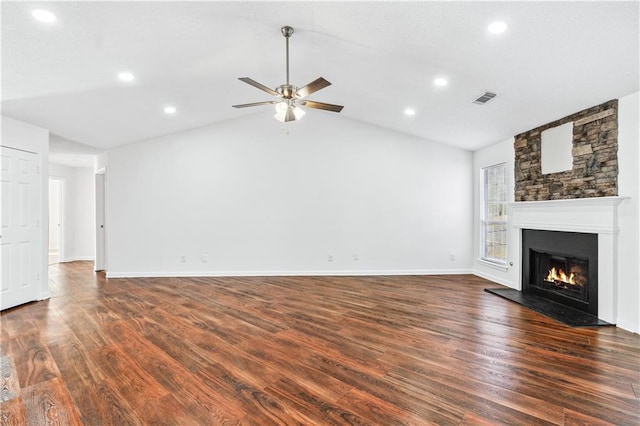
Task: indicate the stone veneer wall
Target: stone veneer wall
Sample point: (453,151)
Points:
(595,158)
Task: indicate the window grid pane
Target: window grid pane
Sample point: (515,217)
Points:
(494,214)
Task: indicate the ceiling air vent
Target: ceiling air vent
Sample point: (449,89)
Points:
(484,98)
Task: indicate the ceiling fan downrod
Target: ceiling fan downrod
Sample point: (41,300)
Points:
(287,31)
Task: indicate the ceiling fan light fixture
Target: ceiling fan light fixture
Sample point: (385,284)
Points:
(298,112)
(282,107)
(286,113)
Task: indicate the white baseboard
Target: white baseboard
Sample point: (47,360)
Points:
(628,326)
(76,258)
(374,272)
(494,278)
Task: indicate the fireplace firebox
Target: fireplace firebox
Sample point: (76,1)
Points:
(561,266)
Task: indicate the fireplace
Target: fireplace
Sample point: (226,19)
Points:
(561,266)
(597,216)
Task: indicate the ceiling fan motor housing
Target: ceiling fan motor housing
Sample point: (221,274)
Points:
(287,91)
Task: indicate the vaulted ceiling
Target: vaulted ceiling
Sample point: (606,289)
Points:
(555,58)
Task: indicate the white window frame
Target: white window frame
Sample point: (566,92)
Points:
(485,221)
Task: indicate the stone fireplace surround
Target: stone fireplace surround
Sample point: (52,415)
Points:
(597,215)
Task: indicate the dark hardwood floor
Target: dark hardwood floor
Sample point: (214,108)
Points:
(305,350)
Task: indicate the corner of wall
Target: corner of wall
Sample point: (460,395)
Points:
(501,152)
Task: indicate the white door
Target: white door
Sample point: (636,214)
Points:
(20,235)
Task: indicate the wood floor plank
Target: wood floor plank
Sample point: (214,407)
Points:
(13,412)
(313,406)
(285,353)
(48,402)
(202,402)
(450,384)
(376,410)
(16,322)
(87,328)
(474,419)
(305,350)
(9,383)
(429,407)
(165,411)
(134,384)
(573,418)
(36,365)
(533,379)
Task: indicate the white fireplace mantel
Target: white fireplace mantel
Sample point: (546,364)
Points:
(590,215)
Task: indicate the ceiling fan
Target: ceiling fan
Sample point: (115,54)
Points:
(291,97)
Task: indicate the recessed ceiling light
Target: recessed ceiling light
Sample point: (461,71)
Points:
(440,82)
(497,27)
(170,109)
(43,15)
(409,111)
(126,76)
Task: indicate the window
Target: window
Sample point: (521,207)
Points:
(494,213)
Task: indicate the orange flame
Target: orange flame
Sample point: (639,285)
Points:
(560,275)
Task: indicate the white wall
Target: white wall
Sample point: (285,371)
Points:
(257,201)
(85,242)
(20,135)
(79,220)
(495,154)
(629,212)
(628,293)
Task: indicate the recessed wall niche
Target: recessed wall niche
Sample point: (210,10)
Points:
(594,158)
(556,146)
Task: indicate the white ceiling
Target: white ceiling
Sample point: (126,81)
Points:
(555,59)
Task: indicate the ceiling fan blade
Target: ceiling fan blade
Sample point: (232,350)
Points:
(259,86)
(255,104)
(314,86)
(322,105)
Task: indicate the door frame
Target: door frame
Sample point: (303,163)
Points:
(101,219)
(62,211)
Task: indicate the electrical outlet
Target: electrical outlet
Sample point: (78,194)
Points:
(204,258)
(183,259)
(329,258)
(452,257)
(356,256)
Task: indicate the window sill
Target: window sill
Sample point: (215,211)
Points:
(499,266)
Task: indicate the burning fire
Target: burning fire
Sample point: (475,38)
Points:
(560,276)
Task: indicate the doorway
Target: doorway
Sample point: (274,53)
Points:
(56,219)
